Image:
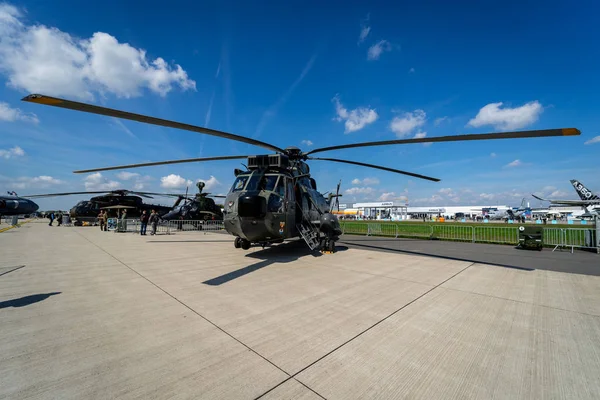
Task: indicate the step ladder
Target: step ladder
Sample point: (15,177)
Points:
(310,234)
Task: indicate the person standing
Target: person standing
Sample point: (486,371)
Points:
(153,221)
(144,222)
(101,220)
(105,219)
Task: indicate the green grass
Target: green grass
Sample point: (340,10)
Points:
(498,233)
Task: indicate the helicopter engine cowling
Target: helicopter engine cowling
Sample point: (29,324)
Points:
(330,225)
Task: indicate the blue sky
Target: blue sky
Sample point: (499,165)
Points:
(307,75)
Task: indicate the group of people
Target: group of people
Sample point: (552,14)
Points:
(58,217)
(153,219)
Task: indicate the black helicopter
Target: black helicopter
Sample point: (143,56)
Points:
(91,208)
(15,205)
(276,198)
(199,207)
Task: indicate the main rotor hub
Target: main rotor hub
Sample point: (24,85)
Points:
(293,152)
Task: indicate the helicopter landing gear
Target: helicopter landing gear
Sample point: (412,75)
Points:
(327,246)
(243,243)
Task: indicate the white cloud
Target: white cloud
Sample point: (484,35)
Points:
(515,163)
(403,125)
(438,121)
(7,113)
(359,190)
(355,119)
(37,58)
(173,181)
(377,49)
(364,30)
(307,142)
(487,196)
(210,184)
(492,155)
(557,194)
(24,182)
(389,196)
(411,71)
(549,188)
(127,175)
(366,181)
(12,152)
(593,140)
(446,191)
(97,182)
(505,119)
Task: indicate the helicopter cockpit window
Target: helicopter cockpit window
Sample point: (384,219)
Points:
(239,183)
(280,188)
(267,182)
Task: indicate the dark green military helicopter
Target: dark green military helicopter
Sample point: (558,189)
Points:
(275,197)
(199,207)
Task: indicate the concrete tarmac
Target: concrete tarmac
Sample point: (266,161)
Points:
(96,315)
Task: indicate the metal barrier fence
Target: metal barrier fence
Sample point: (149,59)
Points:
(169,227)
(557,237)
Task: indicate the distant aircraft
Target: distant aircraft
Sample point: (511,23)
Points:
(15,205)
(588,198)
(509,213)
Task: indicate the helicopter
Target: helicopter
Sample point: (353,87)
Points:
(91,208)
(199,207)
(15,205)
(275,198)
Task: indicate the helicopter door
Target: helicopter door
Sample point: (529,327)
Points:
(290,206)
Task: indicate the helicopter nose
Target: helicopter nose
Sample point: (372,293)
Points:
(251,205)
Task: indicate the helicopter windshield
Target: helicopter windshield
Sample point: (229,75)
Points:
(266,182)
(239,183)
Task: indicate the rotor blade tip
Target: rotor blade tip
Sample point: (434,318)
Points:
(571,132)
(41,99)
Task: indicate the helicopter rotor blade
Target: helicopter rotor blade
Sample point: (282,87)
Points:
(33,196)
(377,167)
(84,171)
(459,138)
(89,108)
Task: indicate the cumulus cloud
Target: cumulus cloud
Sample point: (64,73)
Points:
(307,143)
(38,58)
(359,190)
(376,50)
(12,152)
(515,163)
(7,113)
(593,140)
(557,194)
(487,196)
(127,175)
(24,182)
(366,181)
(173,181)
(505,119)
(364,30)
(389,196)
(404,124)
(438,121)
(355,119)
(446,191)
(210,183)
(98,182)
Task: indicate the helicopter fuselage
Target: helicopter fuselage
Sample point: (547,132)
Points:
(268,204)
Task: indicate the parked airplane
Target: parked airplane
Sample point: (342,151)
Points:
(587,198)
(509,213)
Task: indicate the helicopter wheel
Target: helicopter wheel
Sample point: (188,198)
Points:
(237,243)
(331,246)
(245,244)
